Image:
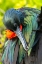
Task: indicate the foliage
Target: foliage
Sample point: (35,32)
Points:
(6,4)
(0,62)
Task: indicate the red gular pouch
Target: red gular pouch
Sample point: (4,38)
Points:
(10,34)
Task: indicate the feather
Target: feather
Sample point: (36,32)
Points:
(6,50)
(9,51)
(21,53)
(30,22)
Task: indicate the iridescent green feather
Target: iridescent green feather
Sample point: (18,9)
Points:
(30,22)
(21,53)
(9,51)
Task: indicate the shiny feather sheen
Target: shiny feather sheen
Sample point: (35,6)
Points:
(9,51)
(30,22)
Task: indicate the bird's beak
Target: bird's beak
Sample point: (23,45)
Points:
(21,38)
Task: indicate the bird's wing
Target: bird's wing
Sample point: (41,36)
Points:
(30,21)
(31,24)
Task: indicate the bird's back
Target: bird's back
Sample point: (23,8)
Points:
(30,9)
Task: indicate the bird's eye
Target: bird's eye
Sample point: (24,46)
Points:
(15,24)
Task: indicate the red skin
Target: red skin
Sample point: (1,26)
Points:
(10,34)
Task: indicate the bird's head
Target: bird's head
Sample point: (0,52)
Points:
(12,21)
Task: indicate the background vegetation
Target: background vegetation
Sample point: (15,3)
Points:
(5,5)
